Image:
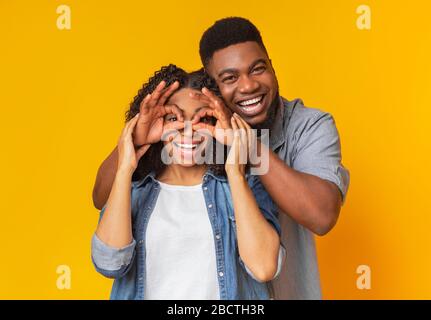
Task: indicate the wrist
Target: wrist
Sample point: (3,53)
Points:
(235,175)
(124,171)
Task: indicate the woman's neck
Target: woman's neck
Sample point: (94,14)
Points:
(179,175)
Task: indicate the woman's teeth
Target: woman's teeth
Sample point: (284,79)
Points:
(185,145)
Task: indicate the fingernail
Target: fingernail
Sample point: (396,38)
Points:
(137,115)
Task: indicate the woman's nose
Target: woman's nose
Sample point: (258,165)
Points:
(188,128)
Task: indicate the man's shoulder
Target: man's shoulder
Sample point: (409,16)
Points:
(297,111)
(300,116)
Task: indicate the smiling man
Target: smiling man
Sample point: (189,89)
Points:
(305,178)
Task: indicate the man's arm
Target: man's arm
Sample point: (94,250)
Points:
(311,190)
(105,179)
(311,201)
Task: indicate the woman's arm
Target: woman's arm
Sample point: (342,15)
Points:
(113,244)
(115,227)
(258,241)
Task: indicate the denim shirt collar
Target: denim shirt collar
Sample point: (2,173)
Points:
(152,176)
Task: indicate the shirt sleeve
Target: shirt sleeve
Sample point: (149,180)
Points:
(109,261)
(318,151)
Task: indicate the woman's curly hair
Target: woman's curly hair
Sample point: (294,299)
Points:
(152,159)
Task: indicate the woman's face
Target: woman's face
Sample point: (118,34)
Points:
(186,147)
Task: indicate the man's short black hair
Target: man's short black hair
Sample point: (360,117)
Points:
(227,32)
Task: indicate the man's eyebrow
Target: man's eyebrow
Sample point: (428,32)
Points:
(233,70)
(227,70)
(261,60)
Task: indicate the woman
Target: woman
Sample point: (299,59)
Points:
(186,229)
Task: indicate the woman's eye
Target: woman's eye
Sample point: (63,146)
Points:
(207,119)
(171,119)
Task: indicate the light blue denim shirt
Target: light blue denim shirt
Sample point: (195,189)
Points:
(127,265)
(307,140)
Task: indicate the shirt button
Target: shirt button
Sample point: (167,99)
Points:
(210,205)
(205,188)
(221,274)
(140,279)
(217,236)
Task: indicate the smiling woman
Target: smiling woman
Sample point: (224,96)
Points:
(177,108)
(185,226)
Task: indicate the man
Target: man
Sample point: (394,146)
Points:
(305,177)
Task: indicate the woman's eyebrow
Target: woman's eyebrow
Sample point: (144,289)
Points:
(198,109)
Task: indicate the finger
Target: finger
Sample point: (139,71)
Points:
(241,125)
(168,92)
(175,125)
(203,112)
(238,117)
(215,101)
(141,151)
(126,129)
(143,107)
(131,125)
(248,132)
(173,109)
(204,126)
(155,95)
(234,124)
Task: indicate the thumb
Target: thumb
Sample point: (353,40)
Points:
(141,151)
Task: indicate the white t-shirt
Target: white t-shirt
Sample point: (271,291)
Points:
(180,249)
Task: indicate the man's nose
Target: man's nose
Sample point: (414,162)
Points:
(247,84)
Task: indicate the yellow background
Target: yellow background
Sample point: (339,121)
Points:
(63,95)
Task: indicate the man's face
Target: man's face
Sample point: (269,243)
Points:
(246,80)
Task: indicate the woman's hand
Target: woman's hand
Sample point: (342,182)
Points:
(153,108)
(128,155)
(222,129)
(239,150)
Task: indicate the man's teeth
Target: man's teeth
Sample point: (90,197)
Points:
(250,102)
(186,145)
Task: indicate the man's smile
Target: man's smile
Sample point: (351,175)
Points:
(252,106)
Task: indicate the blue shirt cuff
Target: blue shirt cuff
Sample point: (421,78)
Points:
(109,258)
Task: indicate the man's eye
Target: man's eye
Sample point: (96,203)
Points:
(228,79)
(259,69)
